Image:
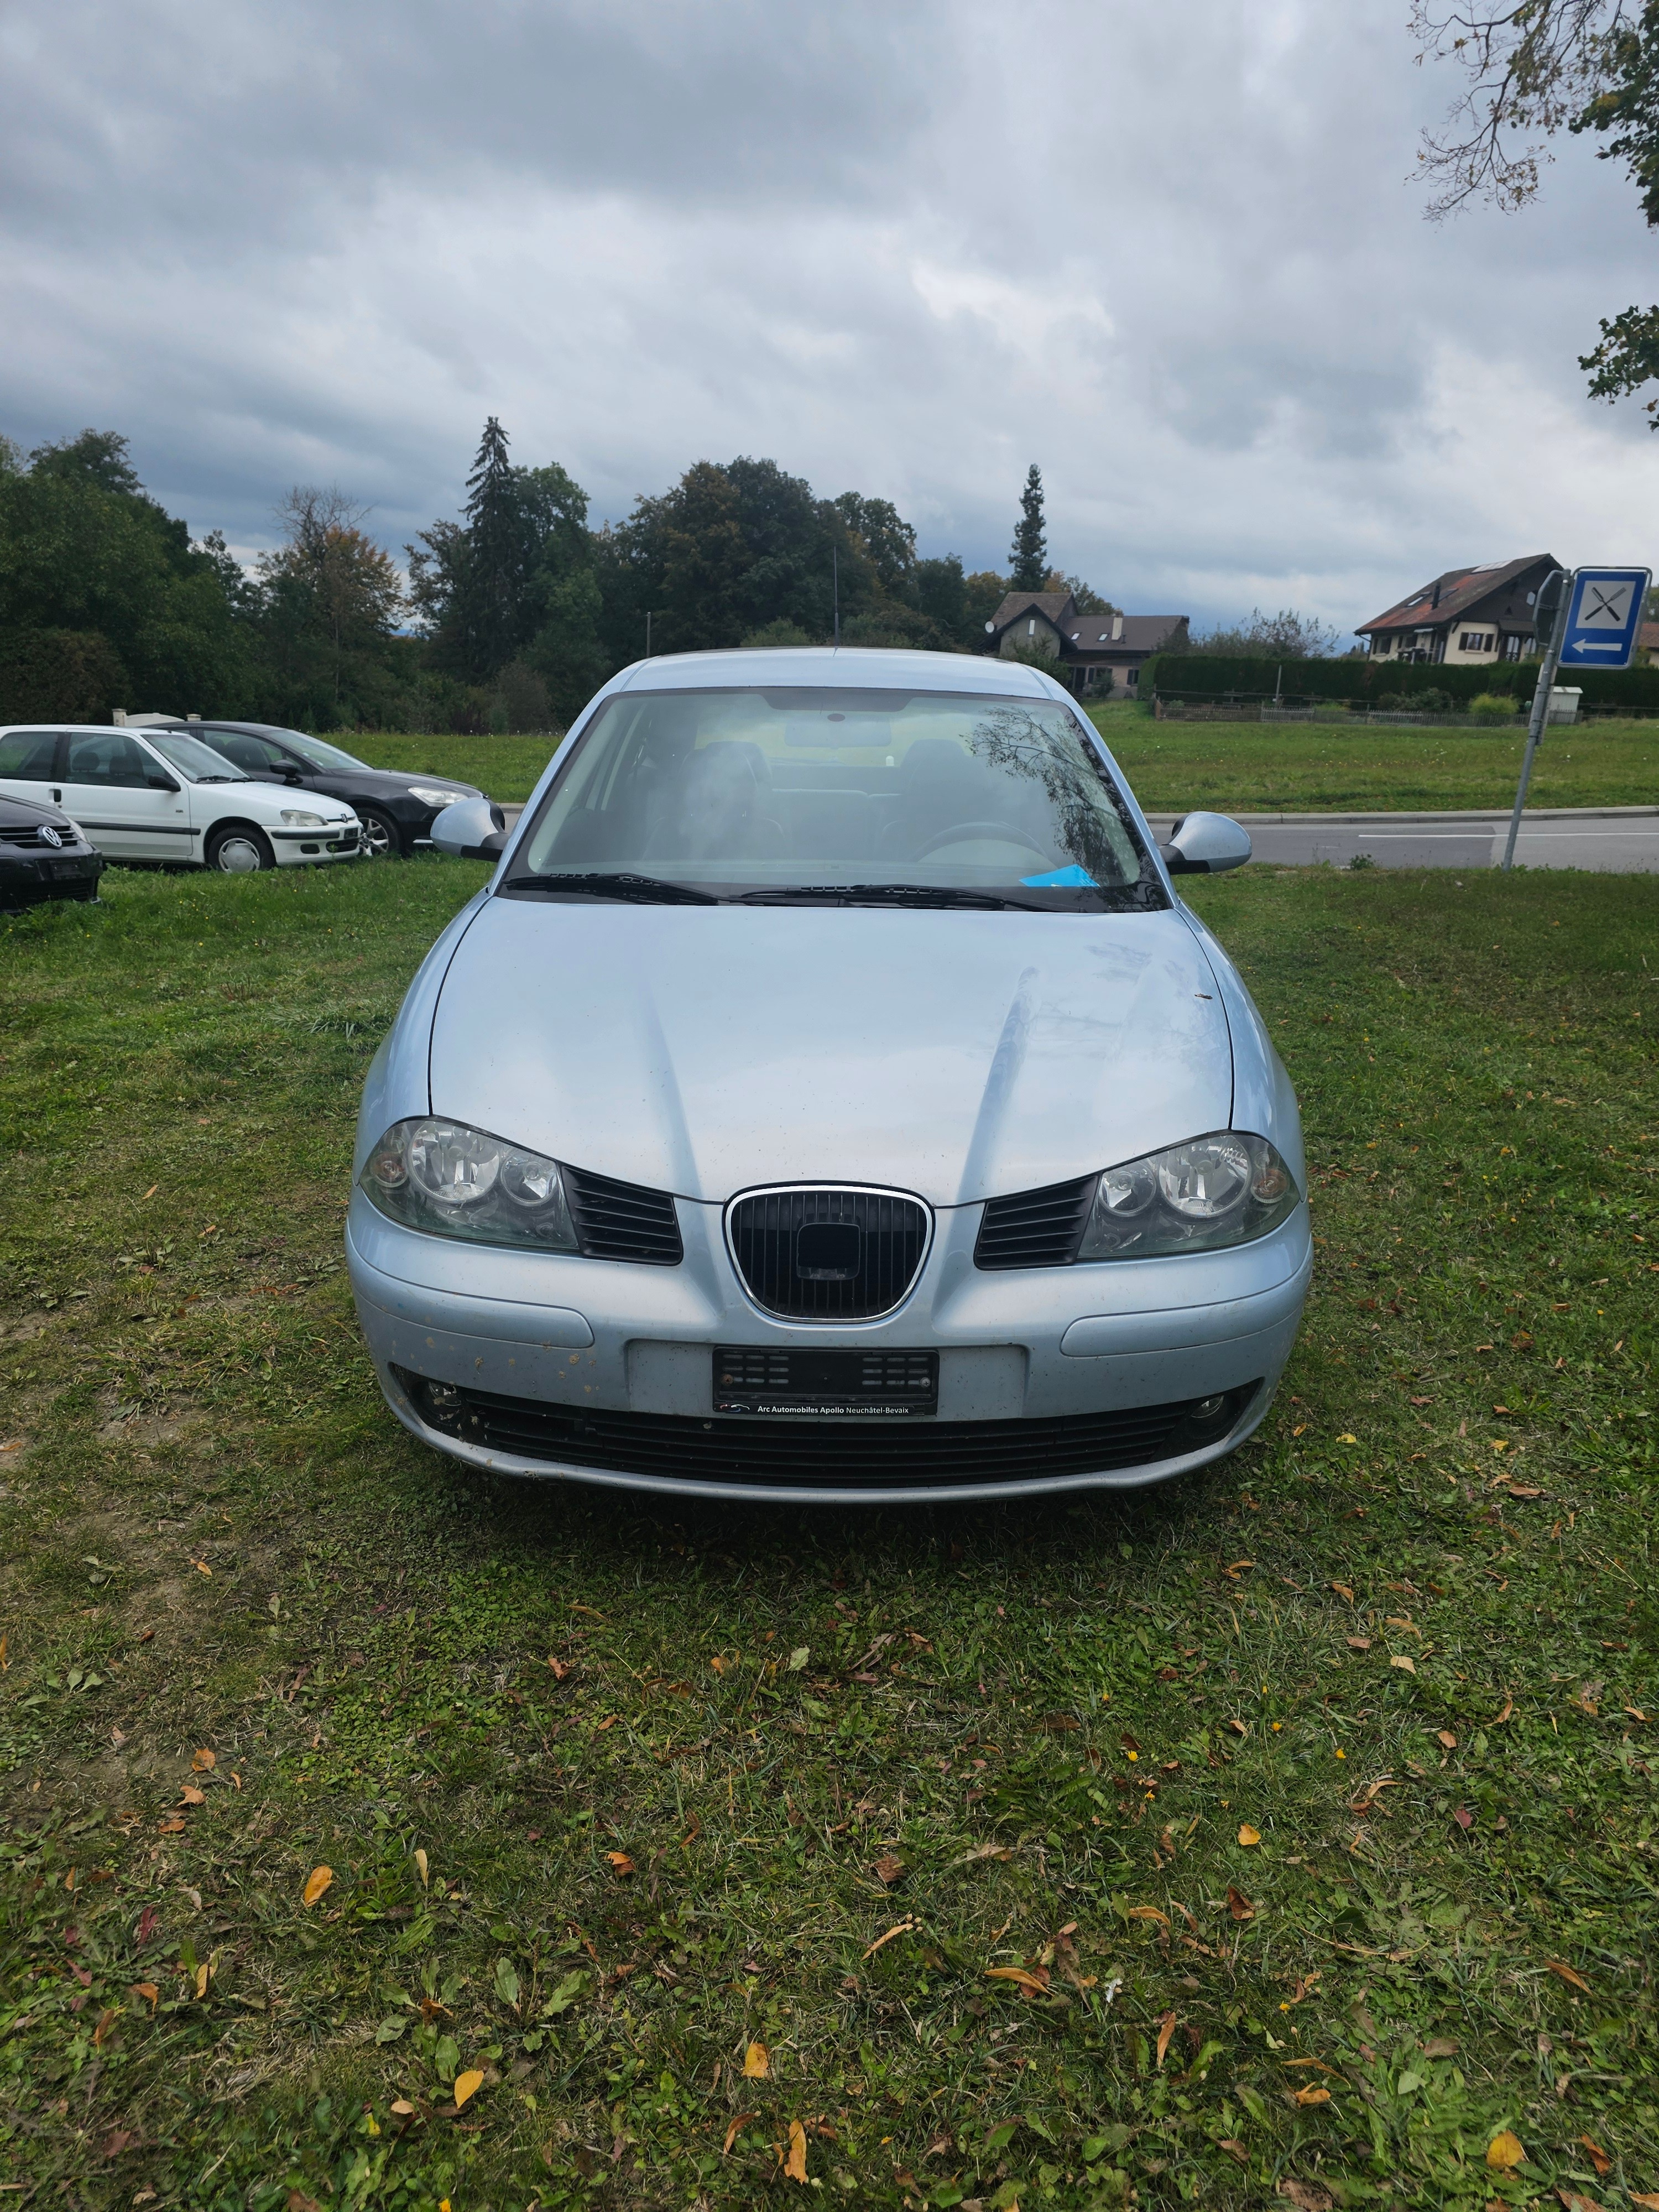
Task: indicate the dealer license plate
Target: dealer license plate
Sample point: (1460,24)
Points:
(756,1379)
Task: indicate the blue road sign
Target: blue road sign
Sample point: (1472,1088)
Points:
(1604,617)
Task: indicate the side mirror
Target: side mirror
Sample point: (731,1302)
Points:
(1206,845)
(472,829)
(156,781)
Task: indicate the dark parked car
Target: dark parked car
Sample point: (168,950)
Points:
(397,811)
(42,855)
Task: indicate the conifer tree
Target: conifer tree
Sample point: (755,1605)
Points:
(494,567)
(1028,556)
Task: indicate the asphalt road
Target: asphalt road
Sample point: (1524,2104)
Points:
(1614,840)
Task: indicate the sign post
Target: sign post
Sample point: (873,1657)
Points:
(1597,616)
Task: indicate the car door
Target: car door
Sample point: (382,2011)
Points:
(28,763)
(258,756)
(129,803)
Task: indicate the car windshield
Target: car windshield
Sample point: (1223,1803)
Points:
(838,796)
(320,755)
(195,761)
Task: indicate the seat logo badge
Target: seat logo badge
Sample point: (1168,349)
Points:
(49,836)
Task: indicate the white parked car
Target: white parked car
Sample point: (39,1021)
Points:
(160,795)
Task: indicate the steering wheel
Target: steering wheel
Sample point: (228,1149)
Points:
(963,833)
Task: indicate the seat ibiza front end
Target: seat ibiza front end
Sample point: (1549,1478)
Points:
(830,1097)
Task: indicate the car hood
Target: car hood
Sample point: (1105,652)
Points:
(264,802)
(393,783)
(705,1050)
(26,814)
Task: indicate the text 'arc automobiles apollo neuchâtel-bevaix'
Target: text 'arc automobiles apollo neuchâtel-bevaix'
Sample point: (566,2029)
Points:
(830,1096)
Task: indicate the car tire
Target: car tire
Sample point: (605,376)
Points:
(382,839)
(237,848)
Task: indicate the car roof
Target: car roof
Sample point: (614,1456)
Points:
(75,729)
(239,729)
(839,667)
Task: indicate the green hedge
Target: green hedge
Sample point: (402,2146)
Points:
(59,676)
(1362,682)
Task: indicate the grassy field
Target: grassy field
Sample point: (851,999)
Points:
(371,1835)
(1315,768)
(1233,765)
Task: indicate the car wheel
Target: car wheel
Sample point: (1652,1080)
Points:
(382,839)
(239,849)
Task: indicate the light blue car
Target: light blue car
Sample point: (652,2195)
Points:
(830,1097)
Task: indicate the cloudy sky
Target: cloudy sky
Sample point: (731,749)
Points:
(906,246)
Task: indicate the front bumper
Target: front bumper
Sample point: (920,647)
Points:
(1054,1348)
(28,878)
(313,848)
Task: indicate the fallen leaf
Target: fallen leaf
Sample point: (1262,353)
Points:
(318,1880)
(1234,2149)
(1599,2158)
(757,2062)
(1359,1643)
(468,2084)
(1148,1912)
(120,2139)
(1308,2195)
(1166,2029)
(1237,1568)
(1240,1905)
(151,1193)
(174,1827)
(1246,1835)
(1031,1984)
(106,2021)
(189,1797)
(984,1851)
(1634,1714)
(1313,2094)
(1567,1974)
(420,1867)
(798,1658)
(1648,2202)
(1575,2201)
(1238,1727)
(1130,1744)
(899,1927)
(736,2129)
(1345,1439)
(1446,1740)
(1463,1817)
(1404,1661)
(204,1760)
(149,1991)
(401,2108)
(561,1667)
(1504,2151)
(202,1568)
(620,1862)
(1440,2046)
(795,2165)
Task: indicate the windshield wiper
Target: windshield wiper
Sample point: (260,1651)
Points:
(918,895)
(640,891)
(224,779)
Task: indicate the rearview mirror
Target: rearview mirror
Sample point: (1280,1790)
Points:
(472,829)
(1206,845)
(156,781)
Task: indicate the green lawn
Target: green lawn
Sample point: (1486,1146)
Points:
(1286,1836)
(1316,767)
(1310,768)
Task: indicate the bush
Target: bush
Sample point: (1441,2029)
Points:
(1426,702)
(1492,706)
(780,633)
(1364,683)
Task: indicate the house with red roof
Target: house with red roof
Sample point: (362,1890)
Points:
(1468,615)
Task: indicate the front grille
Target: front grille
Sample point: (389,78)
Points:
(29,834)
(852,1455)
(1034,1228)
(620,1221)
(827,1253)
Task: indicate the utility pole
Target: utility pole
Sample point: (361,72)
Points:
(647,633)
(1558,583)
(835,569)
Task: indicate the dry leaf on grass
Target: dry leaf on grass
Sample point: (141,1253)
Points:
(1574,2200)
(174,1827)
(1031,1982)
(1234,2149)
(1239,1906)
(757,2062)
(1315,2094)
(1599,2158)
(899,1927)
(561,1667)
(1147,1912)
(1248,1836)
(1404,1661)
(189,1797)
(1308,2195)
(1504,2151)
(620,1861)
(402,2109)
(1166,2029)
(1445,1738)
(468,2084)
(316,1882)
(1342,1591)
(1649,2200)
(204,1760)
(795,2164)
(1440,2046)
(1568,1974)
(889,1867)
(1357,1642)
(738,2125)
(147,1990)
(420,1867)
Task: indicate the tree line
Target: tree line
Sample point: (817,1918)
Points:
(508,616)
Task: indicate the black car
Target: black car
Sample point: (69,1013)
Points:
(42,855)
(397,811)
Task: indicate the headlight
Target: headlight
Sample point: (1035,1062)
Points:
(297,818)
(436,798)
(452,1180)
(1223,1189)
